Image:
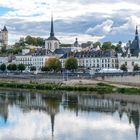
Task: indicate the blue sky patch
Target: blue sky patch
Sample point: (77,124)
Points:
(4,10)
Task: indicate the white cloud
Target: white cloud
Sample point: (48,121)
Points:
(130,24)
(25,9)
(28,11)
(103,28)
(70,38)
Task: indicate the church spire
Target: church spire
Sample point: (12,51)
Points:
(52,28)
(136,34)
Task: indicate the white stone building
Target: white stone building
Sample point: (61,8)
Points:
(31,60)
(95,60)
(52,42)
(129,61)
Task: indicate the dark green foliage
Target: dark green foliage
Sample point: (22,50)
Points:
(53,64)
(71,63)
(33,68)
(3,67)
(21,67)
(104,84)
(44,69)
(136,67)
(12,67)
(107,46)
(123,67)
(96,44)
(129,90)
(34,41)
(100,88)
(9,67)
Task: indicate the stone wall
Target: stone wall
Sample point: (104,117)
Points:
(129,79)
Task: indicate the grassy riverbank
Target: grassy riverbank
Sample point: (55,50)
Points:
(98,88)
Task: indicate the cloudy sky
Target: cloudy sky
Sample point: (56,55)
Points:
(89,20)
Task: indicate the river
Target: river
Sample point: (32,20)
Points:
(68,116)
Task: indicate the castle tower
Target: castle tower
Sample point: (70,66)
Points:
(4,36)
(52,42)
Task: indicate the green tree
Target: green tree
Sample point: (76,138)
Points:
(33,68)
(14,67)
(3,67)
(136,67)
(71,63)
(21,67)
(97,44)
(3,49)
(9,67)
(53,64)
(44,69)
(123,67)
(29,40)
(40,41)
(107,46)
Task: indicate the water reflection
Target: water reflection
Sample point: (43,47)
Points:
(68,116)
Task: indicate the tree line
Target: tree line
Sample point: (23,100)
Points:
(21,44)
(52,64)
(12,67)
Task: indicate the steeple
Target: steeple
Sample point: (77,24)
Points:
(136,34)
(52,28)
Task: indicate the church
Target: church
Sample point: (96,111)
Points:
(132,55)
(52,43)
(135,45)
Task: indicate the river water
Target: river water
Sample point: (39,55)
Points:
(68,116)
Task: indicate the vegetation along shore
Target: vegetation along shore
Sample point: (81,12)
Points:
(100,88)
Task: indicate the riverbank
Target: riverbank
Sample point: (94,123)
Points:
(101,88)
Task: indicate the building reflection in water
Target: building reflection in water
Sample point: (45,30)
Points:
(77,103)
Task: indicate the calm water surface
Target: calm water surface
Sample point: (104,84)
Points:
(25,116)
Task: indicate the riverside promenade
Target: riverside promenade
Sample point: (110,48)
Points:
(71,80)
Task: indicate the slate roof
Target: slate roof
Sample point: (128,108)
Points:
(62,50)
(52,38)
(91,54)
(135,45)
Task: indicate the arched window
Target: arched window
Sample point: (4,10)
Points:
(48,45)
(55,45)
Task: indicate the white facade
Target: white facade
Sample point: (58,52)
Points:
(4,60)
(51,45)
(129,61)
(95,63)
(29,60)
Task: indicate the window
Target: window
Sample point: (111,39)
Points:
(55,45)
